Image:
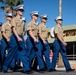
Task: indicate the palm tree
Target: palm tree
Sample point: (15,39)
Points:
(10,4)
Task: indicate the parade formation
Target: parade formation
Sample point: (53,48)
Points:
(17,52)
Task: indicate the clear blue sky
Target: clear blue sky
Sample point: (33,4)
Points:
(49,7)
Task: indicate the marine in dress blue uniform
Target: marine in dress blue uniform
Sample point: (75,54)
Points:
(8,42)
(60,45)
(18,26)
(32,42)
(0,47)
(43,34)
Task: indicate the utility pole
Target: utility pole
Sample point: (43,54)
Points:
(60,8)
(60,62)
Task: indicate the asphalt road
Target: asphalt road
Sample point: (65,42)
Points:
(60,71)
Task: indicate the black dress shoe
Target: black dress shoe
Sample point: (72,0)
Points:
(0,70)
(18,67)
(51,70)
(13,69)
(42,70)
(69,70)
(28,72)
(5,71)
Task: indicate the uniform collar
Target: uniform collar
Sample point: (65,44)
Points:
(59,26)
(43,24)
(18,18)
(36,23)
(8,24)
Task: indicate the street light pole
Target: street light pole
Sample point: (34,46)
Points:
(60,8)
(60,62)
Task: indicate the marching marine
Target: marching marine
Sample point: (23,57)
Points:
(60,45)
(43,34)
(18,27)
(33,43)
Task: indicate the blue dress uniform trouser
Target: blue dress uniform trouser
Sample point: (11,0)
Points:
(30,51)
(13,63)
(34,48)
(16,61)
(12,49)
(59,47)
(46,53)
(29,45)
(3,47)
(0,56)
(23,54)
